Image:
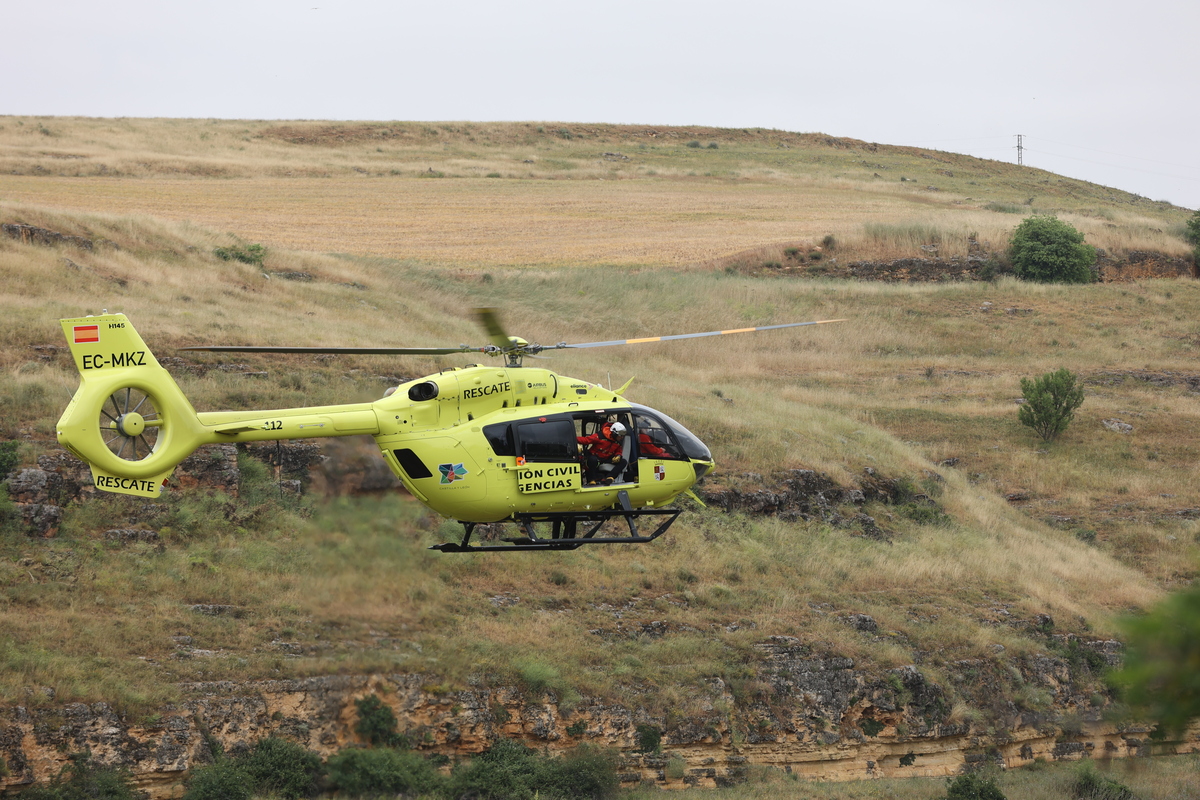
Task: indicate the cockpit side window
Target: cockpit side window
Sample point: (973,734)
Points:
(655,439)
(500,437)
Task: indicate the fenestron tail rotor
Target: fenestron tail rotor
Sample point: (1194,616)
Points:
(130,423)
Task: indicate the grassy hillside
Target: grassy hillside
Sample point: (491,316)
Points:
(919,386)
(549,194)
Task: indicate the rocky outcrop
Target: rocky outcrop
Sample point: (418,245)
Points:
(40,493)
(1137,265)
(802,494)
(817,715)
(976,266)
(31,234)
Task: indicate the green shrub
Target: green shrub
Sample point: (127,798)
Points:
(538,676)
(1192,234)
(507,771)
(1050,403)
(649,739)
(1159,679)
(220,781)
(83,779)
(973,786)
(383,770)
(693,143)
(511,771)
(1091,785)
(871,727)
(247,254)
(282,768)
(377,723)
(8,458)
(1046,249)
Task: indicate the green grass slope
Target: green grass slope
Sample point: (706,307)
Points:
(919,386)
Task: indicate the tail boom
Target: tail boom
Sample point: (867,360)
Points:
(132,424)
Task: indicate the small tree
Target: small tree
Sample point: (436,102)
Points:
(1050,403)
(1160,680)
(1046,249)
(1193,235)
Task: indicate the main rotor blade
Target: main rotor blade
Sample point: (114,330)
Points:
(392,351)
(564,345)
(489,318)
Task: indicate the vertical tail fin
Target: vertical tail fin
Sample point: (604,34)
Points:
(128,420)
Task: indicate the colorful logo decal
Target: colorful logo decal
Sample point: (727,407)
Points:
(660,472)
(452,472)
(86,334)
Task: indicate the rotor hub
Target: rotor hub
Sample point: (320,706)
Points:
(131,424)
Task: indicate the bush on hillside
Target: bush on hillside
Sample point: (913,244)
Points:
(973,786)
(247,254)
(220,781)
(1192,234)
(1159,679)
(9,458)
(1050,403)
(282,769)
(1089,784)
(512,771)
(1046,249)
(588,773)
(84,779)
(377,723)
(383,771)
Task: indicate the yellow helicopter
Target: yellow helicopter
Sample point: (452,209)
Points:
(478,444)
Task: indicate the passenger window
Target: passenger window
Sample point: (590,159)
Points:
(552,440)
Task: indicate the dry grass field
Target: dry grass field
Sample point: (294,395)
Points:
(920,385)
(474,195)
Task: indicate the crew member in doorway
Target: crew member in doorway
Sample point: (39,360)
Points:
(603,458)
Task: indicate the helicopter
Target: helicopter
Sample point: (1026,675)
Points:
(478,444)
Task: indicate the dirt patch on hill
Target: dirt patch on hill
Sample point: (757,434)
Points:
(813,262)
(336,135)
(341,134)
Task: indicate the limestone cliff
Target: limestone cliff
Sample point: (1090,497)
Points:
(818,716)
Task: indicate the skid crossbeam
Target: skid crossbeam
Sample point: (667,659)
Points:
(565,530)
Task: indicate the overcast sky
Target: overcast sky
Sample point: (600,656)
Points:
(1103,90)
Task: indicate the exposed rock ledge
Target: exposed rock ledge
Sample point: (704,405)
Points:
(817,717)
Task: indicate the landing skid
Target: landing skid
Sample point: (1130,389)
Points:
(565,530)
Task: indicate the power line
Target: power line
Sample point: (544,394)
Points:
(1118,166)
(1120,155)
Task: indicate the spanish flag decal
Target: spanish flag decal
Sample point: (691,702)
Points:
(86,334)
